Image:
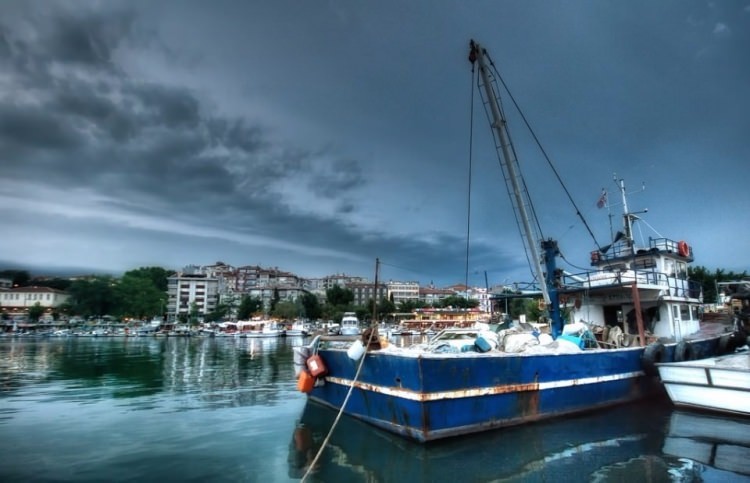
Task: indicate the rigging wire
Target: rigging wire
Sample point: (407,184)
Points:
(544,153)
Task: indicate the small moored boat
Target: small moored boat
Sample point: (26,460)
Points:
(350,324)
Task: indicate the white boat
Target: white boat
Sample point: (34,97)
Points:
(717,383)
(350,324)
(299,329)
(259,328)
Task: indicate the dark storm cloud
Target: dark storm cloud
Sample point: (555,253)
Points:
(135,107)
(125,135)
(77,36)
(344,173)
(35,128)
(173,107)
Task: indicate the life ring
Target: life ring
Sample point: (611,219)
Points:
(683,249)
(653,354)
(595,256)
(684,352)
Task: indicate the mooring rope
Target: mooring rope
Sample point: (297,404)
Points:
(341,410)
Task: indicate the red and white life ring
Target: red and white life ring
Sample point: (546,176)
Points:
(683,249)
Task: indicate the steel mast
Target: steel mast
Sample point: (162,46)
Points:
(509,162)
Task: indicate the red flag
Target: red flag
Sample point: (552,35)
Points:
(602,202)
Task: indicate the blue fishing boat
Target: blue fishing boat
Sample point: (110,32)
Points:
(636,307)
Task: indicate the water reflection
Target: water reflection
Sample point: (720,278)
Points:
(146,409)
(216,372)
(716,441)
(620,444)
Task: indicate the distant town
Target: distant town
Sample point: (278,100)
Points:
(222,292)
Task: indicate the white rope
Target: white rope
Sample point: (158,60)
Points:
(341,411)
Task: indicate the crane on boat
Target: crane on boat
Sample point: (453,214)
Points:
(530,233)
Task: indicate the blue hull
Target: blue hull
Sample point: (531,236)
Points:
(432,396)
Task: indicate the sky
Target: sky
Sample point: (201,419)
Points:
(317,136)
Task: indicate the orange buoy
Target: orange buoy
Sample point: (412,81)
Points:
(305,382)
(316,366)
(683,249)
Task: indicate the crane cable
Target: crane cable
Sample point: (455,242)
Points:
(544,153)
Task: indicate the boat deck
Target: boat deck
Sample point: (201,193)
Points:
(736,361)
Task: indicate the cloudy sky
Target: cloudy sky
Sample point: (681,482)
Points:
(316,136)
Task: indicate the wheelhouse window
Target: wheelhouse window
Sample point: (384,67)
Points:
(694,312)
(684,312)
(682,272)
(669,267)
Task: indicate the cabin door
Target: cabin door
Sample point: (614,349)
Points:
(676,321)
(613,315)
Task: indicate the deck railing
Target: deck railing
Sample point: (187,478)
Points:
(677,287)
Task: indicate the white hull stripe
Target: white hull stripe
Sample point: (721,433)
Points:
(481,391)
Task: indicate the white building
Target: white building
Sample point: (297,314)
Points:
(190,288)
(403,292)
(18,300)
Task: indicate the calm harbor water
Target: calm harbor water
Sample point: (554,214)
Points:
(192,409)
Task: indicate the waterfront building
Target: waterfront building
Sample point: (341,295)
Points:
(191,288)
(432,296)
(399,292)
(17,301)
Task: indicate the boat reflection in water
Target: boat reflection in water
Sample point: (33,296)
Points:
(720,442)
(625,443)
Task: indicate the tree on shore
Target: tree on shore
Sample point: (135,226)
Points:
(249,306)
(20,278)
(709,280)
(137,296)
(35,312)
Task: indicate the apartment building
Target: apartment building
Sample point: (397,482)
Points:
(365,292)
(191,288)
(403,291)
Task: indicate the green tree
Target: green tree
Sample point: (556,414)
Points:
(287,310)
(157,275)
(92,297)
(137,296)
(339,297)
(310,306)
(20,278)
(194,313)
(249,306)
(219,313)
(385,307)
(528,307)
(407,306)
(275,300)
(35,311)
(709,280)
(459,302)
(56,283)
